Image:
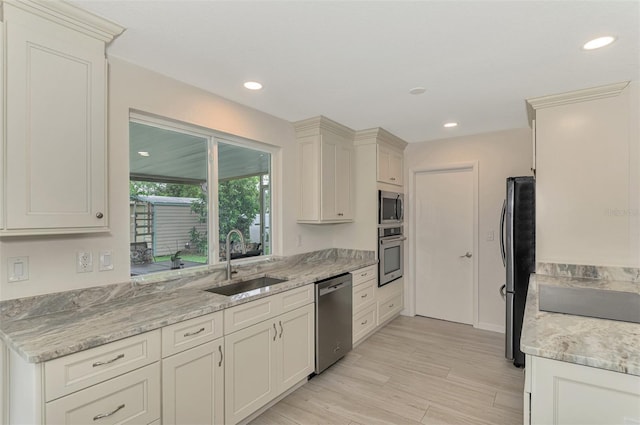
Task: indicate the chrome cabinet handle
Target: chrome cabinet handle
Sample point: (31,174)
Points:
(501,290)
(221,355)
(340,214)
(118,357)
(276,332)
(363,274)
(467,255)
(99,215)
(364,296)
(281,328)
(194,333)
(392,179)
(106,415)
(364,323)
(391,306)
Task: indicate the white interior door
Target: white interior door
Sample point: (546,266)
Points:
(444,244)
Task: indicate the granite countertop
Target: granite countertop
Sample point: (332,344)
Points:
(601,343)
(48,335)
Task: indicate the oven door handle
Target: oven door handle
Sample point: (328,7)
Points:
(390,240)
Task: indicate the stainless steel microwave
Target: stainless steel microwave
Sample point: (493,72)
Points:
(390,207)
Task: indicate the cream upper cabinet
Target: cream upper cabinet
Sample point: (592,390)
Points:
(326,171)
(390,165)
(566,393)
(55,157)
(587,151)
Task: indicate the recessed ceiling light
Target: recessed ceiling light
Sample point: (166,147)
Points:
(599,42)
(417,90)
(253,85)
(450,124)
(143,153)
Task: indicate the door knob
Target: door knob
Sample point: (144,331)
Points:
(467,255)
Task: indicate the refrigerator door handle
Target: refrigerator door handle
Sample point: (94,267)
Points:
(502,293)
(502,249)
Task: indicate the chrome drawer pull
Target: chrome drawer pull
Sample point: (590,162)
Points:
(276,332)
(364,296)
(221,355)
(106,415)
(363,274)
(364,323)
(118,357)
(194,333)
(281,328)
(391,306)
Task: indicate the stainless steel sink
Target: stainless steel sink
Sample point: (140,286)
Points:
(591,302)
(245,286)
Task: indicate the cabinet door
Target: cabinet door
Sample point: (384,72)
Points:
(56,98)
(329,169)
(193,385)
(344,183)
(296,344)
(249,364)
(566,393)
(389,166)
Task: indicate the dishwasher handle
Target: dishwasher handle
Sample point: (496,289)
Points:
(333,288)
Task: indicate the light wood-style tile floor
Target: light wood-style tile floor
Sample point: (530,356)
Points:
(413,371)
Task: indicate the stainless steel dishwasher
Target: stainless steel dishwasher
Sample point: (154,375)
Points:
(334,320)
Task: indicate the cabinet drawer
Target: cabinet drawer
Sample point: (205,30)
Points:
(189,333)
(388,308)
(364,295)
(364,322)
(363,275)
(296,298)
(80,370)
(244,315)
(133,398)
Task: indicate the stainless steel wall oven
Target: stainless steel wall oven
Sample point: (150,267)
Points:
(390,254)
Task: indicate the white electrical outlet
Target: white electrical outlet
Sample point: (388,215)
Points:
(84,262)
(106,260)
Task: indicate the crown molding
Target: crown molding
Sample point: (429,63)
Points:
(379,135)
(320,124)
(70,16)
(594,93)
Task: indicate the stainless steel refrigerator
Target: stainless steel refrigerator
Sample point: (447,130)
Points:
(517,243)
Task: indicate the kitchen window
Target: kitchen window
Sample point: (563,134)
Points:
(187,184)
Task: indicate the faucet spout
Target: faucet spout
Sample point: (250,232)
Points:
(228,253)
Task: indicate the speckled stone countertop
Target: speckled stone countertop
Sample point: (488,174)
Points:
(50,326)
(601,343)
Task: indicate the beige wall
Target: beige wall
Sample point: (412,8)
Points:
(499,155)
(52,258)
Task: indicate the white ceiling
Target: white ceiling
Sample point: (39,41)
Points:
(355,61)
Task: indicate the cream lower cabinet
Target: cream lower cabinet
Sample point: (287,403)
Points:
(365,313)
(266,359)
(116,383)
(558,392)
(193,385)
(390,301)
(193,371)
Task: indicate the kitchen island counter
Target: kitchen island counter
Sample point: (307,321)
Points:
(601,343)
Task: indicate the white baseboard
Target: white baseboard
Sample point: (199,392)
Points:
(490,327)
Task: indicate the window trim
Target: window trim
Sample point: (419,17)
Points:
(214,137)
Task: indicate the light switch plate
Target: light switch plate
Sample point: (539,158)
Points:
(106,260)
(18,269)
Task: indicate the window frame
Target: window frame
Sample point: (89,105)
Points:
(214,137)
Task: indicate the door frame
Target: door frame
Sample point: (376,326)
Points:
(410,299)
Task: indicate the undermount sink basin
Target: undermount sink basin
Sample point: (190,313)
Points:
(591,302)
(245,286)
